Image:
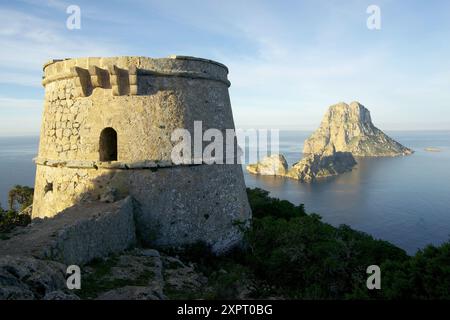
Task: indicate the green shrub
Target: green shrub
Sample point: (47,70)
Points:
(19,198)
(263,205)
(304,257)
(10,219)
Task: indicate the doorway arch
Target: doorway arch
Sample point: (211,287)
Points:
(108,145)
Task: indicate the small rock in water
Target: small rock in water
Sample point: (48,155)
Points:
(316,166)
(432,149)
(275,165)
(311,167)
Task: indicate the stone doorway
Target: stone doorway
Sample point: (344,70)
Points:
(108,145)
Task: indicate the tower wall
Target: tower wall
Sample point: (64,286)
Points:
(144,100)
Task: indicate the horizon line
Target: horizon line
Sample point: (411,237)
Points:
(250,128)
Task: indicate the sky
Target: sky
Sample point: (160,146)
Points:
(288,60)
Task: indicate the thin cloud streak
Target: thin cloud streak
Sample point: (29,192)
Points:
(14,103)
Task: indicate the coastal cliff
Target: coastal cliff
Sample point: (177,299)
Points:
(349,128)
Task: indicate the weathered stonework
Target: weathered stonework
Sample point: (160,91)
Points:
(142,100)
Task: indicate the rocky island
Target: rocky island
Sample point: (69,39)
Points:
(308,169)
(346,131)
(316,166)
(274,165)
(349,128)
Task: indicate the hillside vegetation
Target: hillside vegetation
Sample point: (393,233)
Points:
(292,254)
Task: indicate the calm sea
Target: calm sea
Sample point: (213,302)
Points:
(405,200)
(16,163)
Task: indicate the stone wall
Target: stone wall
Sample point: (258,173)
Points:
(78,234)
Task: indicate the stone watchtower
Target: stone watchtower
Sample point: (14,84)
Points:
(106,129)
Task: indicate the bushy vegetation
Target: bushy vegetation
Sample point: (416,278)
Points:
(291,254)
(19,198)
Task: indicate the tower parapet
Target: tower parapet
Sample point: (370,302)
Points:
(120,74)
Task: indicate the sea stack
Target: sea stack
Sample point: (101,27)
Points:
(317,166)
(274,165)
(310,168)
(349,128)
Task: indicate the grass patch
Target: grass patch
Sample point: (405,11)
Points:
(99,280)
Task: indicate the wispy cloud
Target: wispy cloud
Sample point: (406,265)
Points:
(28,41)
(15,103)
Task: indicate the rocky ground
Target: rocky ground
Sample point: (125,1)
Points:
(137,274)
(101,238)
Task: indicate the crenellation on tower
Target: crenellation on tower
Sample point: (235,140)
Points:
(82,81)
(100,78)
(119,68)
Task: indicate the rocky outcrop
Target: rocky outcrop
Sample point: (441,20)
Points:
(27,278)
(94,236)
(130,293)
(138,274)
(274,165)
(316,166)
(78,234)
(349,128)
(310,168)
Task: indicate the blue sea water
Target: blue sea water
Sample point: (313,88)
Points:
(405,200)
(16,163)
